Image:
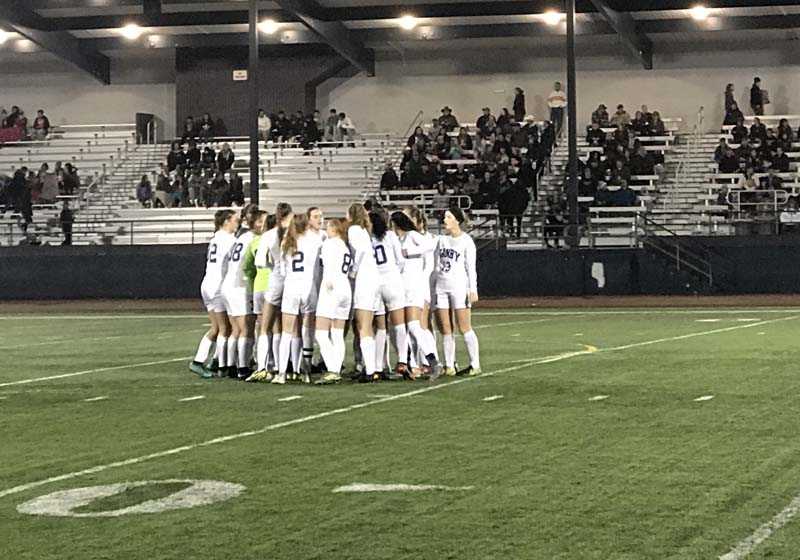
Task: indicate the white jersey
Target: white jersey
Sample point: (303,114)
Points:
(336,260)
(455,264)
(388,254)
(417,250)
(430,257)
(301,267)
(268,254)
(364,264)
(234,275)
(217,259)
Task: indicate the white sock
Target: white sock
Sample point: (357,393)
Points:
(276,349)
(471,340)
(326,349)
(368,354)
(230,357)
(401,342)
(203,350)
(262,352)
(358,358)
(337,339)
(423,338)
(449,343)
(412,354)
(297,351)
(222,346)
(270,361)
(242,357)
(284,353)
(380,349)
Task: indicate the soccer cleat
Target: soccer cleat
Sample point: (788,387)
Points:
(279,379)
(450,371)
(329,378)
(306,378)
(373,378)
(197,367)
(435,371)
(243,374)
(473,371)
(260,375)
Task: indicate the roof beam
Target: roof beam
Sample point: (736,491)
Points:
(16,15)
(169,19)
(637,42)
(334,33)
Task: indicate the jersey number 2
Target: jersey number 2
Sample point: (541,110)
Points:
(297,262)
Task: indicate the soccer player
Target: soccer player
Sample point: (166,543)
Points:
(418,217)
(315,227)
(226,222)
(268,256)
(260,279)
(300,261)
(456,289)
(335,298)
(365,293)
(391,295)
(416,247)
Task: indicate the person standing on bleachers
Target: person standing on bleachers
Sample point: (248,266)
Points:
(732,116)
(557,101)
(144,192)
(41,126)
(519,104)
(757,97)
(66,219)
(176,157)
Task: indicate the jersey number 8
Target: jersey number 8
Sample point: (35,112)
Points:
(236,254)
(346,263)
(297,262)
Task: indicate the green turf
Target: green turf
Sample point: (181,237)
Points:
(646,473)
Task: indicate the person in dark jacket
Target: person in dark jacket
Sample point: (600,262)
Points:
(193,155)
(236,189)
(739,132)
(729,98)
(176,157)
(595,136)
(225,158)
(486,123)
(66,219)
(519,104)
(732,116)
(389,179)
(41,125)
(781,161)
(448,121)
(512,203)
(757,97)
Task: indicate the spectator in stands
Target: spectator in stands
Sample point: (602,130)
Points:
(236,189)
(163,190)
(440,202)
(11,120)
(641,163)
(330,126)
(347,129)
(739,132)
(596,165)
(487,191)
(66,218)
(205,129)
(748,181)
(728,162)
(389,179)
(640,124)
(35,186)
(486,123)
(781,161)
(264,125)
(441,147)
(621,117)
(177,191)
(519,104)
(557,101)
(209,160)
(312,133)
(785,130)
(144,192)
(193,156)
(771,181)
(49,184)
(70,182)
(418,141)
(189,129)
(619,153)
(195,187)
(226,158)
(657,126)
(41,126)
(732,116)
(176,157)
(220,190)
(625,196)
(757,97)
(513,202)
(447,121)
(722,148)
(595,137)
(555,222)
(601,116)
(464,140)
(619,174)
(505,120)
(587,184)
(758,132)
(620,137)
(729,98)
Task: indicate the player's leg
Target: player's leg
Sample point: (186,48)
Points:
(220,358)
(446,328)
(423,338)
(464,320)
(288,326)
(204,349)
(363,319)
(233,344)
(379,323)
(322,334)
(309,324)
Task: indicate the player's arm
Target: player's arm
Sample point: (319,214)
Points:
(249,264)
(262,253)
(472,274)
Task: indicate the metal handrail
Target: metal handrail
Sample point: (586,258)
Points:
(734,198)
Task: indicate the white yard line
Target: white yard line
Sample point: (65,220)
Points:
(366,487)
(492,398)
(598,398)
(96,317)
(95,399)
(748,545)
(195,398)
(65,340)
(528,322)
(290,398)
(704,398)
(88,371)
(328,413)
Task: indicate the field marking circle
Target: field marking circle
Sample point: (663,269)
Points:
(63,502)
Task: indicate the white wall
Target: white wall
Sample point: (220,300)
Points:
(684,79)
(69,96)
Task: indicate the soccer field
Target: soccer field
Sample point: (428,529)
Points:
(592,434)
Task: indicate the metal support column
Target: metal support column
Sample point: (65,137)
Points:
(573,237)
(252,115)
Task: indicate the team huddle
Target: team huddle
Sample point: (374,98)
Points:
(275,284)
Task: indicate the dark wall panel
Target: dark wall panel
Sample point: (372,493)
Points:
(204,83)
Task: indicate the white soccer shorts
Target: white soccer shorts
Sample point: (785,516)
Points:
(238,302)
(452,299)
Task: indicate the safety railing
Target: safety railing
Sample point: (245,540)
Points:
(746,204)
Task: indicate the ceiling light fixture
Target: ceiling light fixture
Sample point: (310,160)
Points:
(131,31)
(268,26)
(699,13)
(407,22)
(552,17)
(3,36)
